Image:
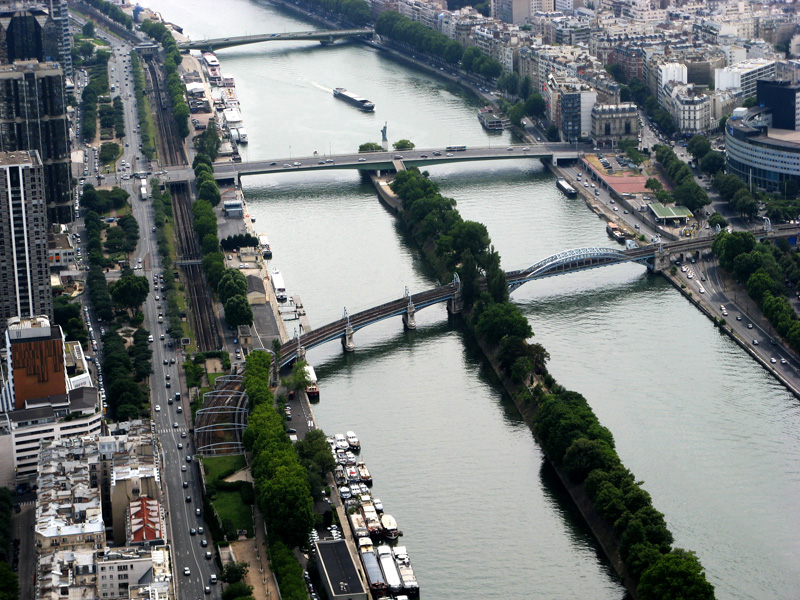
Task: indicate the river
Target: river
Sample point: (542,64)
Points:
(711,434)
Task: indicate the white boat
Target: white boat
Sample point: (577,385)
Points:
(352,440)
(407,576)
(363,473)
(280,289)
(341,442)
(389,525)
(389,568)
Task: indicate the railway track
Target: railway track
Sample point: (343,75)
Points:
(172,153)
(195,283)
(224,440)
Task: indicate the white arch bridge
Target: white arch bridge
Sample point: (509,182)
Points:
(570,261)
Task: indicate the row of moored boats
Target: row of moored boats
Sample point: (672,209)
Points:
(388,570)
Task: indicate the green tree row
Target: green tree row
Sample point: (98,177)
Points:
(175,87)
(356,11)
(420,38)
(574,439)
(96,88)
(142,106)
(125,369)
(162,212)
(68,315)
(686,191)
(208,141)
(240,240)
(102,201)
(767,270)
(113,12)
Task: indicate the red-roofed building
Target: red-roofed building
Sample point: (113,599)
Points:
(144,524)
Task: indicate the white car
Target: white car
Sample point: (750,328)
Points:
(158,408)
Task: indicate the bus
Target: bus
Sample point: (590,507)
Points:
(143,191)
(456,148)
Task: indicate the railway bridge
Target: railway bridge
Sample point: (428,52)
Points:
(656,257)
(324,37)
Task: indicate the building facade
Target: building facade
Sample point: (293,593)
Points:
(24,275)
(783,97)
(614,122)
(744,75)
(33,116)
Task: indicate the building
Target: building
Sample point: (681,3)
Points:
(47,394)
(233,208)
(39,123)
(690,108)
(744,75)
(132,474)
(338,572)
(24,275)
(60,251)
(68,511)
(511,11)
(763,157)
(28,33)
(144,525)
(667,73)
(256,293)
(572,102)
(783,97)
(614,122)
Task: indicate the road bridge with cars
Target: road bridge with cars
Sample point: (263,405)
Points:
(324,37)
(656,257)
(386,161)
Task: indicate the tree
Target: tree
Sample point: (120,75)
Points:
(712,163)
(234,572)
(403,145)
(516,113)
(233,283)
(654,185)
(370,147)
(130,292)
(88,29)
(676,576)
(535,106)
(698,146)
(552,134)
(9,582)
(237,590)
(238,311)
(718,219)
(750,102)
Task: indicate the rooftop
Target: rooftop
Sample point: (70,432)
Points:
(670,212)
(338,567)
(19,157)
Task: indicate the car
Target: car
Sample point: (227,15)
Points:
(180,446)
(749,325)
(186,571)
(175,425)
(739,318)
(398,157)
(272,164)
(158,298)
(169,385)
(322,162)
(162,336)
(180,409)
(189,458)
(783,361)
(437,153)
(183,434)
(449,154)
(525,149)
(362,159)
(287,166)
(171,360)
(183,468)
(204,543)
(185,484)
(197,512)
(724,313)
(702,291)
(207,590)
(586,184)
(297,163)
(773,360)
(154,229)
(510,148)
(636,226)
(167,376)
(755,342)
(423,156)
(188,499)
(213,578)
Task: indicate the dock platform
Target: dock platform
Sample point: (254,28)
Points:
(305,324)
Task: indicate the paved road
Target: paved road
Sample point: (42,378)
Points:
(186,549)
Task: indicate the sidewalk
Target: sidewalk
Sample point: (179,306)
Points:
(254,552)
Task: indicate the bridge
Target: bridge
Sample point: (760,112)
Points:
(655,256)
(380,161)
(324,37)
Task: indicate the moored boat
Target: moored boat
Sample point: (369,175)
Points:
(363,472)
(407,576)
(565,187)
(352,440)
(389,526)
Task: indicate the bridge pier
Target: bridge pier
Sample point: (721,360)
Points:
(409,319)
(455,304)
(347,340)
(301,353)
(660,261)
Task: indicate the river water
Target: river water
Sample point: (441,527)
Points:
(714,438)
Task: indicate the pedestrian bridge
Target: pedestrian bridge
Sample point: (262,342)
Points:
(655,256)
(324,37)
(385,161)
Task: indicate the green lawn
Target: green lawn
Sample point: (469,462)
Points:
(212,377)
(217,465)
(229,505)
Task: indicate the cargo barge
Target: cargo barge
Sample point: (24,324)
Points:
(360,103)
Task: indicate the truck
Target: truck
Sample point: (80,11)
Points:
(143,190)
(312,391)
